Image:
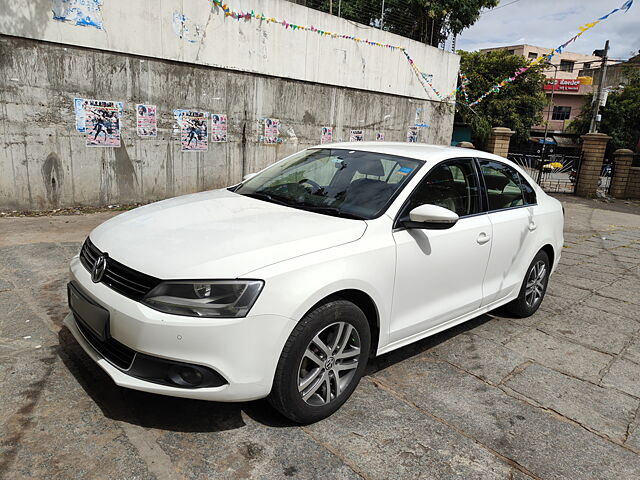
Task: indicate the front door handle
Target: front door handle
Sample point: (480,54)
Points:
(483,238)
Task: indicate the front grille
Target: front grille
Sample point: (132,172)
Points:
(114,351)
(124,280)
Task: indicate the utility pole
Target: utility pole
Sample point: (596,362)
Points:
(382,16)
(330,7)
(603,75)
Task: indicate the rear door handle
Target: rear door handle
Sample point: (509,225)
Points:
(483,238)
(532,226)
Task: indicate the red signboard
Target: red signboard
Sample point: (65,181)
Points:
(562,85)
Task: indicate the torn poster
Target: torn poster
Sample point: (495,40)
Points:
(380,137)
(271,131)
(218,127)
(78,107)
(185,28)
(84,13)
(194,136)
(356,136)
(412,134)
(146,120)
(102,123)
(326,135)
(177,120)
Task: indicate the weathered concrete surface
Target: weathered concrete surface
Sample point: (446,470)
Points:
(148,28)
(549,397)
(44,163)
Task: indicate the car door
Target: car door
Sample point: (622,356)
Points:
(439,273)
(512,212)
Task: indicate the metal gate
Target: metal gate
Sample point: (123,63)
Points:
(555,172)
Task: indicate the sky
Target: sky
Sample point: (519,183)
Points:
(549,23)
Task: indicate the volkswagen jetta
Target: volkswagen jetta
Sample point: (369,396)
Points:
(285,285)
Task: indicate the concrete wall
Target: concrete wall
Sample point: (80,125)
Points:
(247,70)
(147,28)
(44,162)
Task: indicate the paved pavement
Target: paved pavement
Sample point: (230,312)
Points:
(552,396)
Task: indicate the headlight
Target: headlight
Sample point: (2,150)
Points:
(213,298)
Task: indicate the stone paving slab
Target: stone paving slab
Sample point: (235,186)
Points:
(599,330)
(600,409)
(529,436)
(545,397)
(403,442)
(623,375)
(561,355)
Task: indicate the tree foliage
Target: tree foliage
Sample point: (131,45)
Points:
(517,106)
(428,21)
(620,116)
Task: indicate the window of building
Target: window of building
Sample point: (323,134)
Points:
(533,55)
(566,66)
(587,65)
(561,113)
(511,52)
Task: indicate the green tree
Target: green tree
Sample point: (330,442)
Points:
(428,21)
(518,105)
(620,116)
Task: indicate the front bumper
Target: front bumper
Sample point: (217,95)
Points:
(245,351)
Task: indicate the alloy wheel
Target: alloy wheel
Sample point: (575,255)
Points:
(534,289)
(329,363)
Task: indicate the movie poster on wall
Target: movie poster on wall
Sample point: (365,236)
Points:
(218,128)
(102,123)
(326,135)
(271,130)
(194,135)
(356,136)
(412,134)
(146,120)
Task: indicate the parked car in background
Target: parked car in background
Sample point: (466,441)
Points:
(285,285)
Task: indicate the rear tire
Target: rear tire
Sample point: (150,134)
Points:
(321,362)
(533,289)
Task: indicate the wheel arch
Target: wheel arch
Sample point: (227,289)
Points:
(365,303)
(548,249)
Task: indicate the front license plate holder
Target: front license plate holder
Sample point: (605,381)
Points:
(91,315)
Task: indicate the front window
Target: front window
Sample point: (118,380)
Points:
(452,185)
(339,182)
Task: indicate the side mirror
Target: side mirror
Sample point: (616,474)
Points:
(431,217)
(248,176)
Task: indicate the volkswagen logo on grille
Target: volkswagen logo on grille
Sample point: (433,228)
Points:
(98,268)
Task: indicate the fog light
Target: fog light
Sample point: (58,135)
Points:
(182,375)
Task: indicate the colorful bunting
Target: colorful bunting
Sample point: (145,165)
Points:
(583,28)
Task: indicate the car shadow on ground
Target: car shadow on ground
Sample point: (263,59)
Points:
(161,412)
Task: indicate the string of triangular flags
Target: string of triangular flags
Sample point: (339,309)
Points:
(249,15)
(496,88)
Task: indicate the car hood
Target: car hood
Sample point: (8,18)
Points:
(217,234)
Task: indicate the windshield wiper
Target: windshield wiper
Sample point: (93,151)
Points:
(267,197)
(336,212)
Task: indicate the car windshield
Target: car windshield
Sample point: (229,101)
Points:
(339,182)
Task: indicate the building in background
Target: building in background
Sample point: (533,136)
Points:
(567,82)
(616,74)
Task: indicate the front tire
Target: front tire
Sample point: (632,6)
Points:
(533,289)
(321,362)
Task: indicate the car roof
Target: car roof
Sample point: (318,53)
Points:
(419,151)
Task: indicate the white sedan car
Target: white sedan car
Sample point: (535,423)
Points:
(285,285)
